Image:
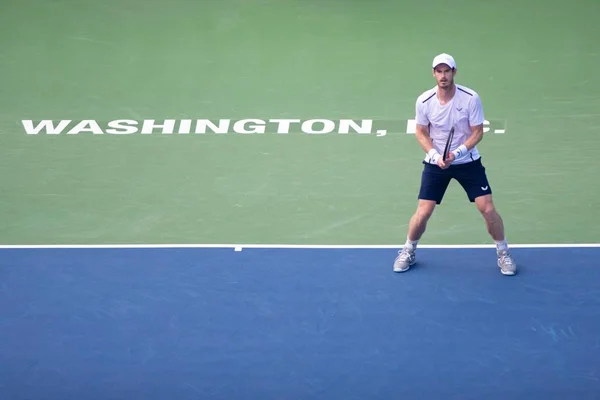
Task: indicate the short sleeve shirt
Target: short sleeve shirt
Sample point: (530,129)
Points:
(463,111)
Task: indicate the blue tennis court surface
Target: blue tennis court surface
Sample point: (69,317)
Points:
(187,323)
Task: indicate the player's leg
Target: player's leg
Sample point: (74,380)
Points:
(418,222)
(495,227)
(434,182)
(416,228)
(493,220)
(473,179)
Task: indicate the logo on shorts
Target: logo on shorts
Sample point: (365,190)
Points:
(484,187)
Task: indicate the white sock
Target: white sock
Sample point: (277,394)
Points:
(411,244)
(501,245)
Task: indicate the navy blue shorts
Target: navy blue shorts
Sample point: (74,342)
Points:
(471,176)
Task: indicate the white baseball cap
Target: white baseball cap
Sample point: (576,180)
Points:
(444,59)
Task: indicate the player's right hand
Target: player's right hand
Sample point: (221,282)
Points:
(442,164)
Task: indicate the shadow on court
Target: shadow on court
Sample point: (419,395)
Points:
(273,324)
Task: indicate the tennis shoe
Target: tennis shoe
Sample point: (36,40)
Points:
(506,263)
(404,260)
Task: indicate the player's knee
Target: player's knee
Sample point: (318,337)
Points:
(424,211)
(488,210)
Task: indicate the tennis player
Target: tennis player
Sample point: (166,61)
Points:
(437,110)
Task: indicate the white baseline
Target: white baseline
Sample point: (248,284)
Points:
(291,246)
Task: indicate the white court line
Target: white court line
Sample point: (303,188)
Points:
(291,246)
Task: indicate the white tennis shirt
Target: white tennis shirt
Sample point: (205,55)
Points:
(463,111)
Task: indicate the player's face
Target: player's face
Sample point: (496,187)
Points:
(444,75)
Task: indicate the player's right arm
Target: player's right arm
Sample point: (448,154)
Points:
(422,132)
(422,135)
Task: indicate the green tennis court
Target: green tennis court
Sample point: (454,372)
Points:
(533,64)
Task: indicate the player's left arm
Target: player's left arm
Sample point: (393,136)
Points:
(476,119)
(475,138)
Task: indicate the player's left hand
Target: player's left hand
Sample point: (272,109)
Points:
(451,157)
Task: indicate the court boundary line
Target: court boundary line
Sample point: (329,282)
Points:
(239,247)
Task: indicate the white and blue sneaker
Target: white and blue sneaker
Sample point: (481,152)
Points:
(506,263)
(405,259)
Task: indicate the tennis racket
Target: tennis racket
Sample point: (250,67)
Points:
(448,143)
